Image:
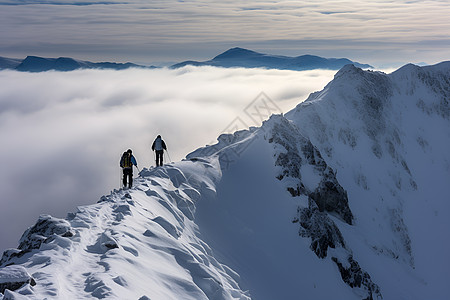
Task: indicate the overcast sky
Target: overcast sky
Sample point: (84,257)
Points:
(380,32)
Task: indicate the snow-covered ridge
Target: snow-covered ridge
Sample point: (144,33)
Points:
(345,197)
(140,243)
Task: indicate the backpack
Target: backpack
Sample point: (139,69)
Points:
(125,161)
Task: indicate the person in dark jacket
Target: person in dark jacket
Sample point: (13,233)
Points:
(159,146)
(126,163)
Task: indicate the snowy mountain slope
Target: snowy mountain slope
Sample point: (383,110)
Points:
(239,57)
(381,143)
(388,136)
(250,226)
(133,244)
(344,197)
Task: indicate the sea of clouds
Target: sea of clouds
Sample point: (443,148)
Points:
(63,133)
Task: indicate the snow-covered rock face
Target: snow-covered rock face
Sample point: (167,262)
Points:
(306,173)
(344,197)
(302,164)
(45,230)
(14,277)
(385,135)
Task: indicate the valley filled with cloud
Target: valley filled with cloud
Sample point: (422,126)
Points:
(63,132)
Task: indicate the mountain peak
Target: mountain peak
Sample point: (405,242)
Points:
(38,64)
(237,52)
(347,70)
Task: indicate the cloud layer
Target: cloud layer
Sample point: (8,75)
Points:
(63,133)
(369,31)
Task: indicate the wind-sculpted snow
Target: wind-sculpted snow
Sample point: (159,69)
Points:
(229,148)
(12,278)
(139,243)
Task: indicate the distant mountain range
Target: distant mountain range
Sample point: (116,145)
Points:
(235,57)
(41,64)
(239,57)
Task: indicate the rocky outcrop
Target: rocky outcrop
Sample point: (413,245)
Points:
(320,228)
(325,235)
(13,278)
(45,229)
(306,173)
(355,277)
(296,155)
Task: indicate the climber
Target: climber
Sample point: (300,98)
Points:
(126,163)
(159,146)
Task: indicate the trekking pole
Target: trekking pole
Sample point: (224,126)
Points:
(120,177)
(168,155)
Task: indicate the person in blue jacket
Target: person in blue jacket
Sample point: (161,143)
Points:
(126,163)
(159,146)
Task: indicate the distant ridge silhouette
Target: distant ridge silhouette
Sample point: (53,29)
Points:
(240,57)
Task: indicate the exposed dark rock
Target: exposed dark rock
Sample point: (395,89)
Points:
(104,243)
(111,245)
(296,151)
(14,277)
(320,228)
(324,235)
(355,277)
(42,232)
(9,254)
(45,227)
(330,196)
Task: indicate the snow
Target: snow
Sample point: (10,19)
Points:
(250,225)
(398,175)
(222,224)
(136,243)
(13,274)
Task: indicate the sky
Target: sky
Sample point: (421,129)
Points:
(63,133)
(383,33)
